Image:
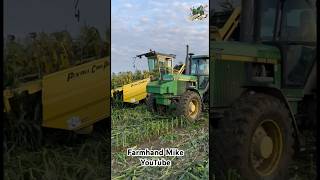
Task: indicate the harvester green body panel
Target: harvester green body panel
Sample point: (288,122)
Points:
(229,74)
(230,68)
(227,78)
(171,85)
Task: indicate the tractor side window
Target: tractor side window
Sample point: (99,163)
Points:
(169,63)
(163,67)
(194,65)
(162,64)
(268,15)
(151,64)
(298,25)
(299,21)
(203,81)
(203,67)
(298,64)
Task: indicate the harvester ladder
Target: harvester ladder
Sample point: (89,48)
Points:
(224,24)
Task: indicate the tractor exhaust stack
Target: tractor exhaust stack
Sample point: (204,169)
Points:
(187,64)
(247,20)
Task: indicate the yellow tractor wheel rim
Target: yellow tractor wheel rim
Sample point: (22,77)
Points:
(193,108)
(266,147)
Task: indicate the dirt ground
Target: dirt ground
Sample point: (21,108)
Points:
(303,166)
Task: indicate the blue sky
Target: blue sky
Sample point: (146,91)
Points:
(163,26)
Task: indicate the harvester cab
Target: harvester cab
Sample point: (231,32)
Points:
(183,93)
(159,63)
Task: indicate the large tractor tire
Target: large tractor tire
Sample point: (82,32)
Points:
(190,106)
(254,139)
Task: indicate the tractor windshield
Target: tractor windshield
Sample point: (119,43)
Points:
(200,66)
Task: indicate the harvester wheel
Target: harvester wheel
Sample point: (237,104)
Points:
(190,106)
(151,103)
(254,139)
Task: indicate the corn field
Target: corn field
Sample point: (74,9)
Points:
(123,78)
(136,127)
(43,53)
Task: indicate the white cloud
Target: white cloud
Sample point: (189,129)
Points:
(144,19)
(128,5)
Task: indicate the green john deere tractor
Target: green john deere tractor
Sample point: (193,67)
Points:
(185,93)
(263,89)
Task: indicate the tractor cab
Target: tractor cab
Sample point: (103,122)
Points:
(199,66)
(291,26)
(159,63)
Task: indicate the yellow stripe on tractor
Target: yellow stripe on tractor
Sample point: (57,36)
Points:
(226,57)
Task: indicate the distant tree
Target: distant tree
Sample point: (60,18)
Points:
(91,42)
(123,78)
(40,53)
(14,61)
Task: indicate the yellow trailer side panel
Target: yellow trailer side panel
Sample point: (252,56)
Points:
(77,97)
(136,91)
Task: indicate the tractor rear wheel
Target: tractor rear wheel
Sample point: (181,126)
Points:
(254,139)
(190,106)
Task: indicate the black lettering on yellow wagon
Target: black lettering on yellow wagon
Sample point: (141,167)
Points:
(94,68)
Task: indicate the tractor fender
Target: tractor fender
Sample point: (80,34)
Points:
(276,92)
(206,90)
(197,91)
(194,90)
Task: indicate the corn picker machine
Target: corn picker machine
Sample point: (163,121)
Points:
(158,63)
